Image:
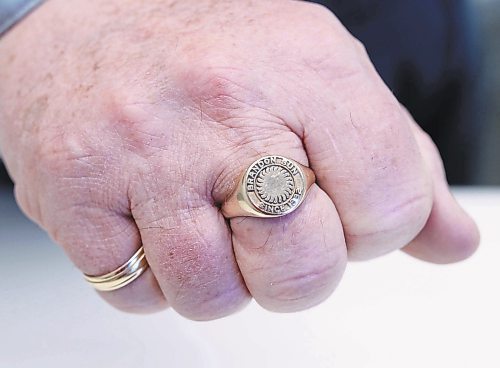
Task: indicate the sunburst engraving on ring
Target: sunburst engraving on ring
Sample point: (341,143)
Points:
(275,185)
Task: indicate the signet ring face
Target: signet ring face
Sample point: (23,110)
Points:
(271,186)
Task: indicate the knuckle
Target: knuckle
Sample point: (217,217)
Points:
(143,122)
(360,47)
(218,91)
(58,154)
(231,104)
(77,168)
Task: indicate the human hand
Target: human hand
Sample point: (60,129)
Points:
(127,123)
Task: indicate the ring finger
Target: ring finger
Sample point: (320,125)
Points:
(292,262)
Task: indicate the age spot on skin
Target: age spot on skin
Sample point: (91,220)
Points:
(34,113)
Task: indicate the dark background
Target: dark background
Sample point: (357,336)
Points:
(439,58)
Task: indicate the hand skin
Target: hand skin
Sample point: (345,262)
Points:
(126,123)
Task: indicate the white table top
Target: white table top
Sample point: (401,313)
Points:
(391,312)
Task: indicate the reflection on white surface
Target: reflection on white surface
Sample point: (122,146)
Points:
(391,312)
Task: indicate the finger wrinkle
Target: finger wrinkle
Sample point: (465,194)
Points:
(298,283)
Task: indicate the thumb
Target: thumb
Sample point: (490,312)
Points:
(450,234)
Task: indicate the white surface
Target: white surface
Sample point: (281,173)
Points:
(391,312)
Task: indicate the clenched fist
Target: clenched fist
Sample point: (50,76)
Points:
(127,123)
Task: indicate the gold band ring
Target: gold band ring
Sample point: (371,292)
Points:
(123,275)
(271,186)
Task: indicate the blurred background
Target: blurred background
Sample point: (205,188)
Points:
(489,13)
(440,59)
